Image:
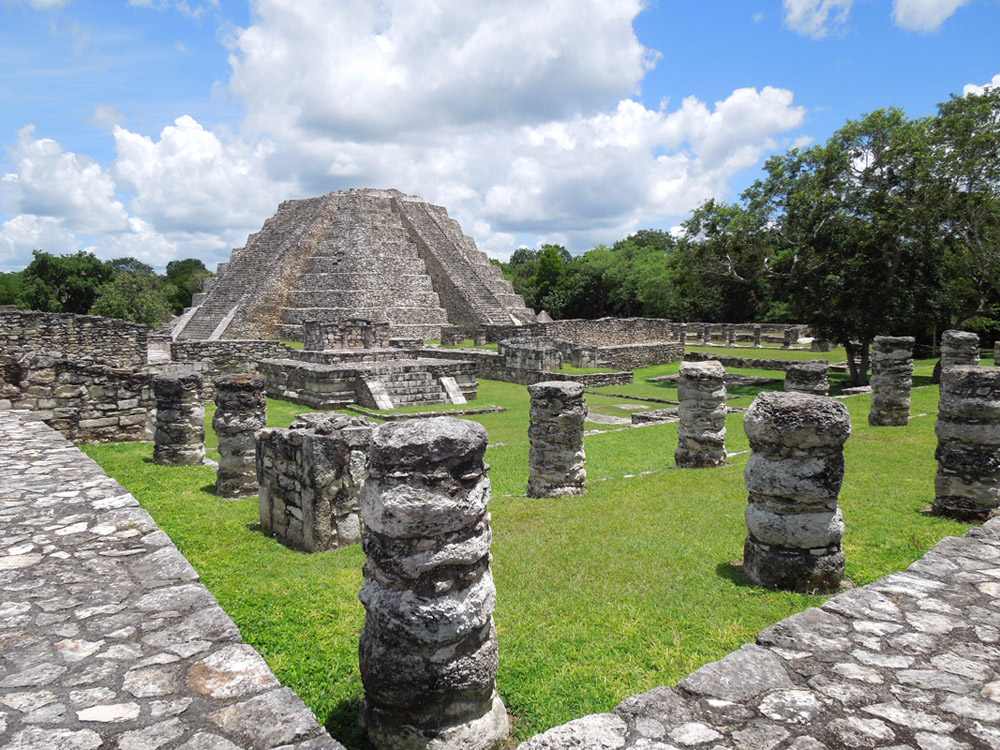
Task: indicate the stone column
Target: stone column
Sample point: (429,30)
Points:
(682,333)
(179,431)
(892,378)
(756,335)
(808,377)
(730,334)
(793,478)
(556,461)
(479,337)
(967,485)
(706,334)
(790,338)
(428,652)
(701,432)
(996,353)
(240,410)
(958,348)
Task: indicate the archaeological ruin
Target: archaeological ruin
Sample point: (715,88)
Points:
(701,432)
(556,459)
(179,436)
(891,381)
(240,411)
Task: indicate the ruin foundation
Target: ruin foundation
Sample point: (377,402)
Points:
(556,461)
(808,377)
(892,378)
(701,433)
(428,652)
(240,410)
(179,437)
(793,478)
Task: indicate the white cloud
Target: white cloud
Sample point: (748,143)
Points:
(25,232)
(46,4)
(924,16)
(971,88)
(817,18)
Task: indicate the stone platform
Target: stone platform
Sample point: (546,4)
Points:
(107,638)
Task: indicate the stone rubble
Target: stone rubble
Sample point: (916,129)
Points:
(701,433)
(808,377)
(967,484)
(892,379)
(107,638)
(310,479)
(793,478)
(179,434)
(428,652)
(240,410)
(556,460)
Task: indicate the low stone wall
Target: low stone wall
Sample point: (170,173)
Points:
(117,342)
(750,363)
(350,333)
(634,356)
(228,357)
(87,401)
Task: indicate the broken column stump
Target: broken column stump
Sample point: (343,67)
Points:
(556,461)
(892,379)
(240,410)
(428,652)
(310,481)
(701,432)
(179,429)
(793,478)
(967,485)
(808,377)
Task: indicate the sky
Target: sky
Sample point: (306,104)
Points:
(169,129)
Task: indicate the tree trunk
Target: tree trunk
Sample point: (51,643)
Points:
(852,366)
(858,369)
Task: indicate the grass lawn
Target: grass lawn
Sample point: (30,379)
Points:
(599,597)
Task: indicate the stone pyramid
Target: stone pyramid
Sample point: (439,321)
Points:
(376,254)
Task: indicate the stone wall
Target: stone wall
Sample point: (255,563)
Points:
(117,342)
(228,357)
(350,333)
(634,356)
(752,363)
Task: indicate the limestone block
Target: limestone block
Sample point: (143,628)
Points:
(428,652)
(556,460)
(808,377)
(892,378)
(793,477)
(701,432)
(967,485)
(179,434)
(240,410)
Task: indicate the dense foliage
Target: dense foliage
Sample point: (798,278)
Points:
(121,288)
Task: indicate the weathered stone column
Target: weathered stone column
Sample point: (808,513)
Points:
(701,432)
(240,410)
(706,334)
(179,431)
(967,485)
(996,353)
(730,334)
(808,377)
(959,348)
(790,337)
(428,653)
(793,478)
(756,335)
(682,333)
(892,378)
(556,461)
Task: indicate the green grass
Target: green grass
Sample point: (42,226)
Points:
(599,597)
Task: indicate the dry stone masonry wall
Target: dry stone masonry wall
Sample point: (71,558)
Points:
(808,377)
(113,341)
(350,333)
(892,378)
(240,410)
(793,478)
(967,485)
(556,459)
(179,436)
(701,432)
(310,481)
(428,652)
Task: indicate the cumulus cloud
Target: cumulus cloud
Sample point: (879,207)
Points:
(817,18)
(971,88)
(924,16)
(26,232)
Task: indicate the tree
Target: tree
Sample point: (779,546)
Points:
(137,298)
(10,288)
(550,271)
(184,279)
(65,283)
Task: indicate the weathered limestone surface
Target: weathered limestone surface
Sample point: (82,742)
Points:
(701,433)
(892,378)
(793,477)
(909,662)
(556,460)
(808,377)
(428,653)
(957,348)
(310,480)
(109,639)
(968,453)
(240,410)
(179,437)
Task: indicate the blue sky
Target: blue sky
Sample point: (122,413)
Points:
(167,129)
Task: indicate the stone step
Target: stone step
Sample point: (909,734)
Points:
(395,315)
(361,263)
(362,298)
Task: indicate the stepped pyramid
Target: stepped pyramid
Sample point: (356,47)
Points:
(376,254)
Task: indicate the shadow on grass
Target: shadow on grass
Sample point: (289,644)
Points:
(733,572)
(343,725)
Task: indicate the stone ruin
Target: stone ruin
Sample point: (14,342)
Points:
(240,410)
(701,432)
(957,348)
(374,254)
(793,478)
(179,436)
(348,333)
(892,379)
(556,459)
(310,478)
(808,377)
(428,652)
(967,485)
